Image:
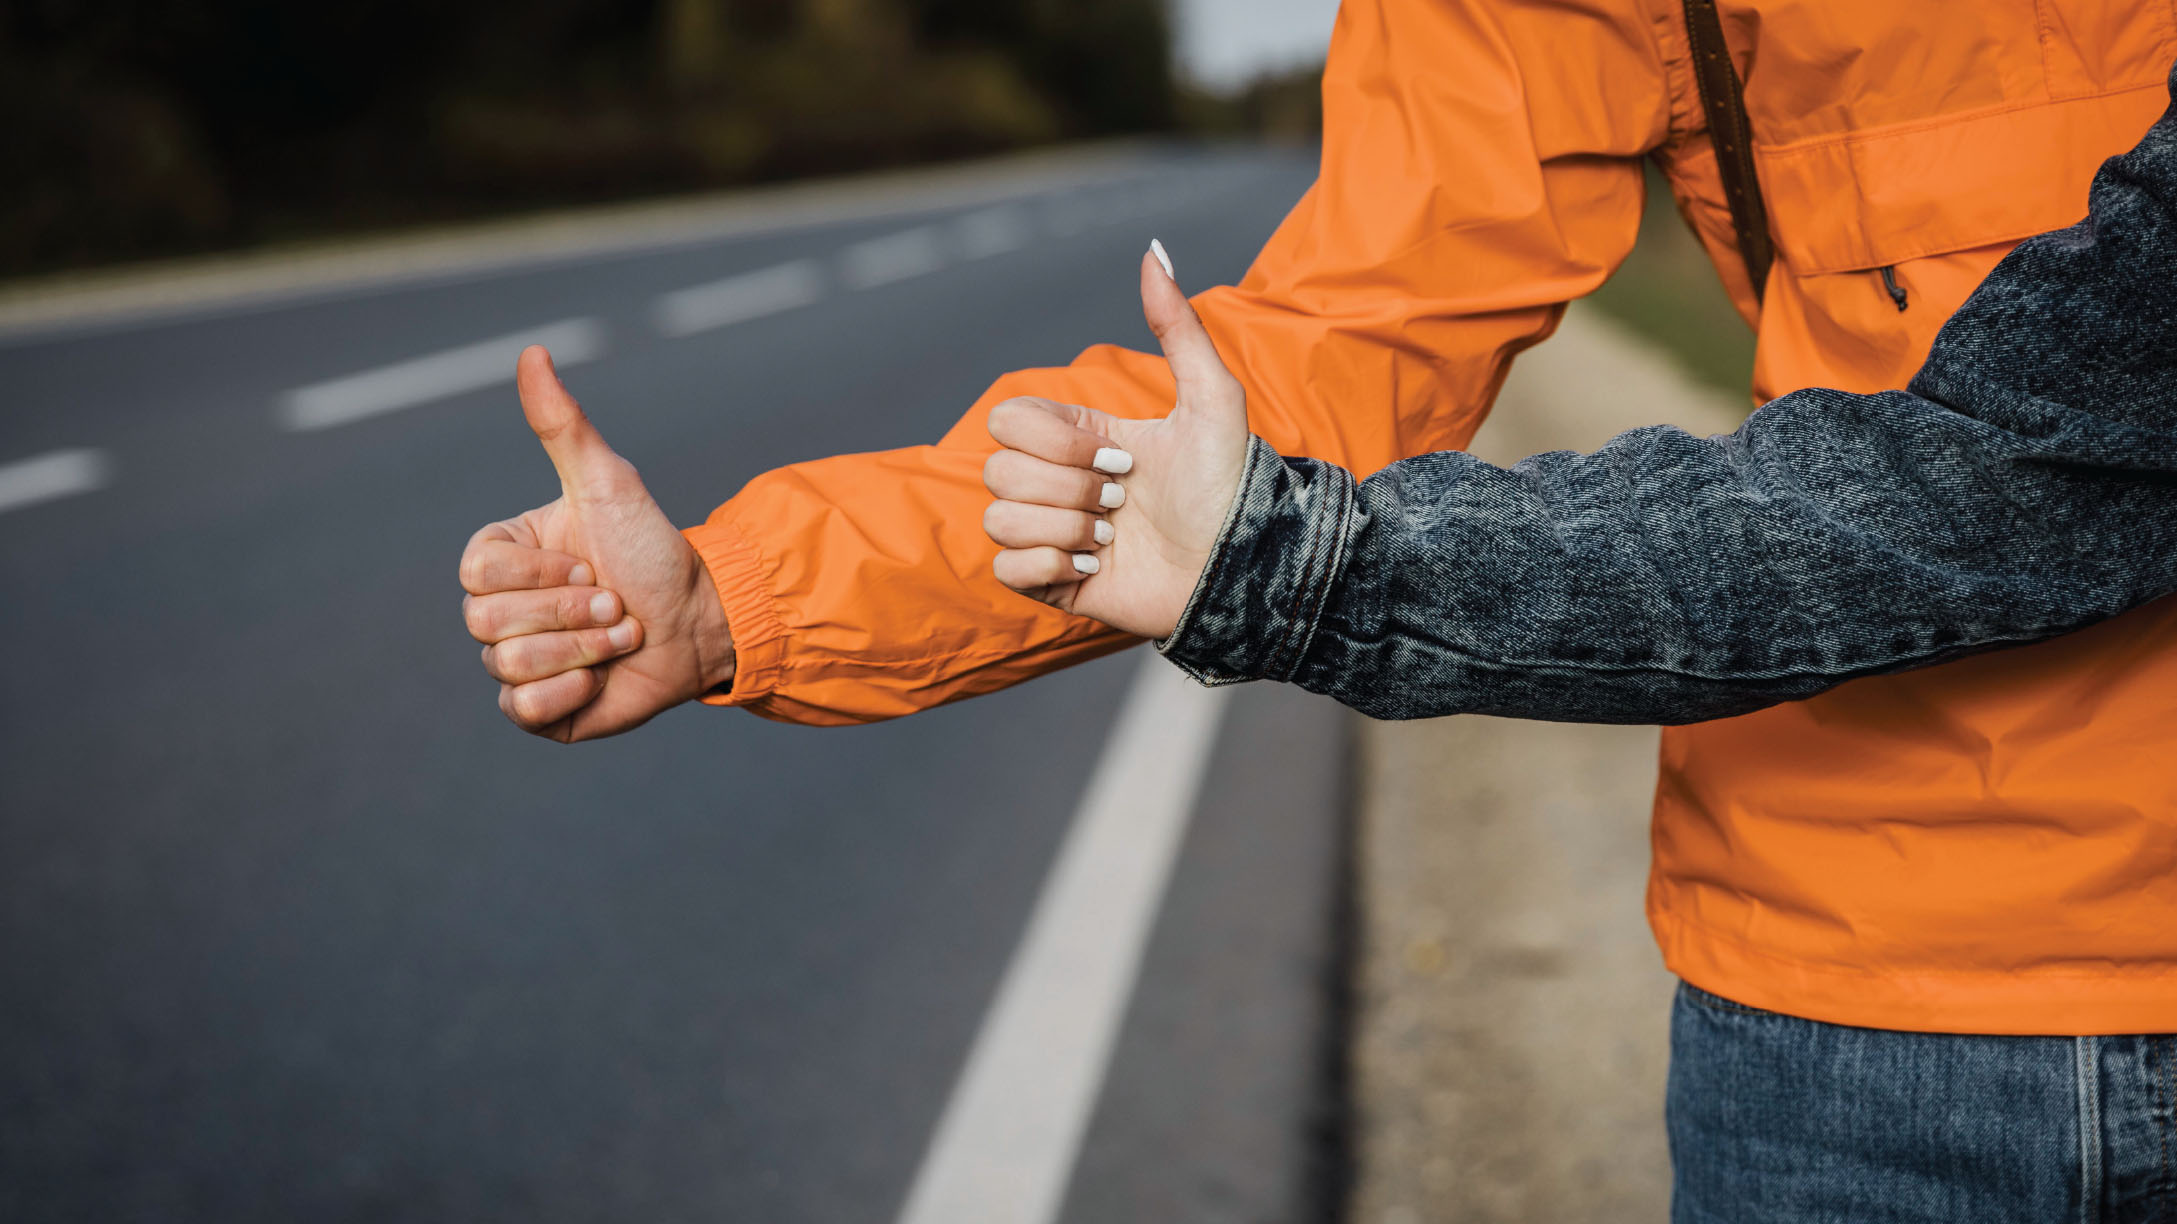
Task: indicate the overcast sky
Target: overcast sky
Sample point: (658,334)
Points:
(1225,42)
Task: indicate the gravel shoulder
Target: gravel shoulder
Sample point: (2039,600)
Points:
(1511,1016)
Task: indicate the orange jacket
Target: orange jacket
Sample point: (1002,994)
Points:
(1986,846)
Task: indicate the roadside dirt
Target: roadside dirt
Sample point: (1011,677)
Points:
(1511,1019)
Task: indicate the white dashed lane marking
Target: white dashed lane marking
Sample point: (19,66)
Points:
(737,299)
(883,260)
(906,254)
(992,231)
(53,475)
(894,257)
(437,376)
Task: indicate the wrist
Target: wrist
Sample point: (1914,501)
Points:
(713,636)
(1271,574)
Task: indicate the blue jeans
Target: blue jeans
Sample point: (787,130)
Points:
(1778,1120)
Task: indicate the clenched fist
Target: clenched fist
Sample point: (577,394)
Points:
(595,613)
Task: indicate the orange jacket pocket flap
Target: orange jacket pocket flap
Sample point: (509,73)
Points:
(1880,197)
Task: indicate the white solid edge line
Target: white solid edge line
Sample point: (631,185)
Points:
(1005,1147)
(737,299)
(435,376)
(55,474)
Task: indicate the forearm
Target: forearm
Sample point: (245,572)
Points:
(1664,579)
(1376,323)
(858,588)
(2024,487)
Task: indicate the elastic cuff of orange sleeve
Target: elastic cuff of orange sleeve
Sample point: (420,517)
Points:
(759,637)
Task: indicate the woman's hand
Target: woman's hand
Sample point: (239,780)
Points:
(1113,518)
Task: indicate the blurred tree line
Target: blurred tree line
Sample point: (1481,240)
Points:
(140,127)
(1284,106)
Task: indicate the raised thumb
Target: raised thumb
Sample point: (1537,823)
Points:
(578,452)
(1201,374)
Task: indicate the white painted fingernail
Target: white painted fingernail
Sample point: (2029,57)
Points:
(1156,248)
(621,635)
(601,607)
(1112,497)
(1105,532)
(1086,563)
(1112,461)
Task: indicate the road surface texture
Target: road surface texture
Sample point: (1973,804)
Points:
(298,928)
(1511,1033)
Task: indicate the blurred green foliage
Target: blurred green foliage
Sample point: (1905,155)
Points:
(140,127)
(1668,292)
(1286,107)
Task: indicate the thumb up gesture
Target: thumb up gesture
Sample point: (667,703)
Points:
(596,614)
(1113,518)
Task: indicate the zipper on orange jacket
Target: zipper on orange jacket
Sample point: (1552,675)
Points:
(1889,282)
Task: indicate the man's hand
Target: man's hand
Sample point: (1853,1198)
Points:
(1112,518)
(547,590)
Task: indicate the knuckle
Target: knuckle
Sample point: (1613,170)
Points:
(619,472)
(476,614)
(553,431)
(571,608)
(1006,418)
(1011,417)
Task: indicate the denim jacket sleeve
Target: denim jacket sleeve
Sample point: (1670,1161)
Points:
(2024,485)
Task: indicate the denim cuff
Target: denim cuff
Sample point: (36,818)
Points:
(1282,549)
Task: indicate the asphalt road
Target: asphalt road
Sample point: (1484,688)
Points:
(297,928)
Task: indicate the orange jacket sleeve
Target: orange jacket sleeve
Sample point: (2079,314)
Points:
(1479,170)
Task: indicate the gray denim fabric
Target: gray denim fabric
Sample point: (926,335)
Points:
(2025,485)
